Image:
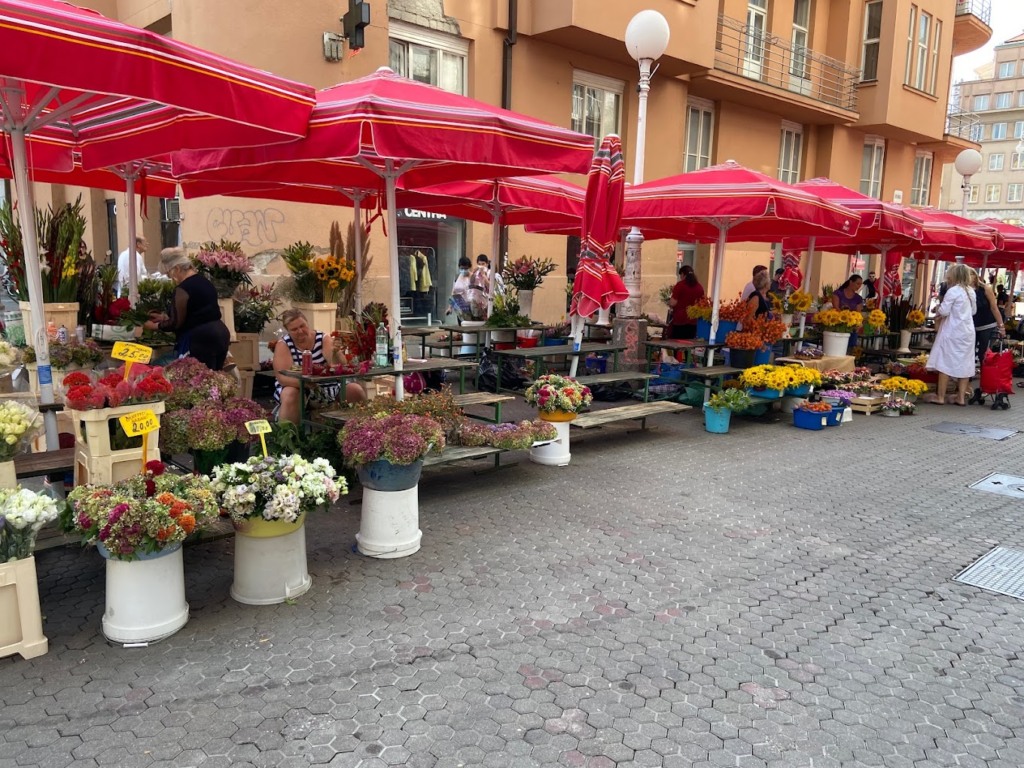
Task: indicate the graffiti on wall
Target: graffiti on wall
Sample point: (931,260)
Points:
(254,228)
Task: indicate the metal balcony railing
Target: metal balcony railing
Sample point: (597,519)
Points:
(980,8)
(964,125)
(753,53)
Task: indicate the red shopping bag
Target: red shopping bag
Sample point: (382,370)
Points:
(997,372)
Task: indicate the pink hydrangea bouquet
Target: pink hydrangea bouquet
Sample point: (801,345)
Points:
(399,438)
(552,393)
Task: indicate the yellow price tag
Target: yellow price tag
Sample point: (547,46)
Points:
(132,353)
(259,427)
(139,423)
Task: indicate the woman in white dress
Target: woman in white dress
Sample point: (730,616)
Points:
(952,355)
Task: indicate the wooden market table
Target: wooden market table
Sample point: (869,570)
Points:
(484,332)
(538,354)
(845,363)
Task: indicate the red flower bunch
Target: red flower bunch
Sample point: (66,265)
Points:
(109,315)
(144,384)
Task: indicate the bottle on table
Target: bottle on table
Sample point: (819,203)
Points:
(381,355)
(62,335)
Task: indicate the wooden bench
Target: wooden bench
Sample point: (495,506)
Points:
(641,411)
(45,463)
(484,398)
(614,376)
(455,453)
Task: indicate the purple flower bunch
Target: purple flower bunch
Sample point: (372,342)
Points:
(509,436)
(400,438)
(193,383)
(208,426)
(843,396)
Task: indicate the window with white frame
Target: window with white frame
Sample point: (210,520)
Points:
(1007,69)
(977,132)
(981,102)
(995,161)
(800,66)
(993,192)
(1014,193)
(1018,129)
(933,70)
(1020,98)
(998,130)
(427,56)
(791,142)
(924,28)
(972,193)
(872,38)
(596,104)
(1017,161)
(700,123)
(1004,100)
(921,185)
(871,167)
(908,66)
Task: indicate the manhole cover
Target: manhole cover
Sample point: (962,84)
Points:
(1001,570)
(1004,485)
(989,433)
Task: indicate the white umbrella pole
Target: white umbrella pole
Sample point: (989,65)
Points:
(716,291)
(357,227)
(34,278)
(495,246)
(133,265)
(807,289)
(395,308)
(578,324)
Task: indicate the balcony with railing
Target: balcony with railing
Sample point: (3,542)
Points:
(972,27)
(964,125)
(771,67)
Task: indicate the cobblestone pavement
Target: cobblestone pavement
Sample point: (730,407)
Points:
(771,597)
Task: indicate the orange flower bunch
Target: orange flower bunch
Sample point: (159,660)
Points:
(734,311)
(743,340)
(767,329)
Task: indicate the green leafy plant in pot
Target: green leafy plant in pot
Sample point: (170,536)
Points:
(720,407)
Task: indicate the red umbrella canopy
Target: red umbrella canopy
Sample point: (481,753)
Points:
(1012,244)
(119,93)
(597,285)
(881,224)
(753,207)
(155,179)
(515,200)
(947,233)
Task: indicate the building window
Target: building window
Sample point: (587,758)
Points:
(1018,129)
(977,132)
(1020,98)
(908,67)
(872,40)
(981,103)
(998,131)
(924,27)
(921,186)
(872,163)
(1004,100)
(596,104)
(933,71)
(791,144)
(1017,161)
(801,34)
(992,192)
(427,56)
(1007,69)
(700,123)
(1014,193)
(995,161)
(972,193)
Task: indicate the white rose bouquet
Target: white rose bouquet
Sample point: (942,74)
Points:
(22,514)
(276,487)
(9,356)
(18,424)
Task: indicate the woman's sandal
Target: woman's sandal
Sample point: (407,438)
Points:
(932,398)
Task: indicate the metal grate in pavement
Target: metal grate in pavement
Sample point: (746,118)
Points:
(1004,485)
(989,433)
(1001,571)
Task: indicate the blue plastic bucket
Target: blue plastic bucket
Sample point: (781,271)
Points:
(716,420)
(809,419)
(763,356)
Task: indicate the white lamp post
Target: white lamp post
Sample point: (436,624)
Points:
(967,163)
(646,40)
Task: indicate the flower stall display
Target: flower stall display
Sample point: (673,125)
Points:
(209,430)
(525,274)
(507,436)
(813,415)
(19,423)
(225,265)
(318,283)
(841,397)
(875,322)
(155,294)
(915,318)
(387,450)
(138,525)
(254,308)
(893,406)
(720,406)
(22,514)
(771,381)
(896,384)
(753,343)
(64,357)
(268,498)
(837,325)
(558,399)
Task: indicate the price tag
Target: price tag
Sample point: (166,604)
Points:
(259,427)
(131,353)
(139,423)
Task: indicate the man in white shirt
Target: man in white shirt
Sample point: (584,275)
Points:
(123,265)
(749,289)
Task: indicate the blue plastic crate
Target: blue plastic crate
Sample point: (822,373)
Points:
(810,420)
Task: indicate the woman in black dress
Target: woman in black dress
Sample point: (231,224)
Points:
(194,315)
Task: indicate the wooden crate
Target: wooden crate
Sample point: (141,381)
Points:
(245,382)
(95,460)
(246,351)
(866,404)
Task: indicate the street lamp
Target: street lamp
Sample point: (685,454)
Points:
(967,163)
(646,40)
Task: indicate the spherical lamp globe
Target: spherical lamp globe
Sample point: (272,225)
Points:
(968,162)
(647,35)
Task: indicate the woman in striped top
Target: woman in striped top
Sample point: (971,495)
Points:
(288,356)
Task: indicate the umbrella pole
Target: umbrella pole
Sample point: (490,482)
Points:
(395,308)
(357,228)
(716,291)
(807,289)
(578,323)
(495,247)
(133,265)
(34,278)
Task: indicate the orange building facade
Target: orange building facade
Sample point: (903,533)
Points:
(855,90)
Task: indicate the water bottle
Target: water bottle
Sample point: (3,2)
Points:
(381,356)
(51,331)
(62,335)
(80,334)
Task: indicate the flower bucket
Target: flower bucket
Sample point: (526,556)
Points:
(503,339)
(835,344)
(270,561)
(227,316)
(716,420)
(809,420)
(382,475)
(904,341)
(470,340)
(525,302)
(556,416)
(389,525)
(802,391)
(555,341)
(527,339)
(764,393)
(742,358)
(891,414)
(260,528)
(595,364)
(21,621)
(145,598)
(725,327)
(555,453)
(763,356)
(835,418)
(704,329)
(321,316)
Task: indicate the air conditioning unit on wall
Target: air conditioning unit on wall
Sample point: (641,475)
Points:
(171,209)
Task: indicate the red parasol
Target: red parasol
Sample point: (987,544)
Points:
(399,129)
